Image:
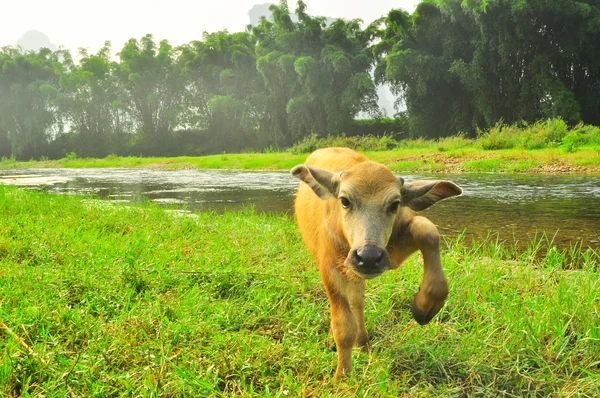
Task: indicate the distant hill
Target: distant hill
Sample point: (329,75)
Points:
(34,40)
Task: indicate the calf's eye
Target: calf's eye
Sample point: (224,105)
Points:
(394,207)
(345,202)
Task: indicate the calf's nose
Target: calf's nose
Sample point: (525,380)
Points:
(368,257)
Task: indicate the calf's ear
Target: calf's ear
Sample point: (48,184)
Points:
(325,183)
(419,195)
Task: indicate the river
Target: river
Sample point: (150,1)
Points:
(516,207)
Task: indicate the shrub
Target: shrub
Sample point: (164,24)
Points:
(112,157)
(454,142)
(501,136)
(555,130)
(359,143)
(306,145)
(6,162)
(541,134)
(579,136)
(415,143)
(387,126)
(533,141)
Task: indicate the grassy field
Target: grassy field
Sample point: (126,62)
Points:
(544,147)
(105,300)
(426,158)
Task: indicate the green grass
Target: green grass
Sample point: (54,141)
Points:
(484,165)
(421,165)
(547,147)
(428,159)
(243,161)
(105,300)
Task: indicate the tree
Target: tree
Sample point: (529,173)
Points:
(153,83)
(416,55)
(228,93)
(316,77)
(27,88)
(93,103)
(464,65)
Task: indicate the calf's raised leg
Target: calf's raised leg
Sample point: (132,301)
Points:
(434,287)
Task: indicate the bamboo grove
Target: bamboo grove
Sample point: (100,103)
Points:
(456,66)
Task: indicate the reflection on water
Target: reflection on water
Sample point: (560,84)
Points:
(192,189)
(515,206)
(518,207)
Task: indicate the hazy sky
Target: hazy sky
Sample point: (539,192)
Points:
(77,23)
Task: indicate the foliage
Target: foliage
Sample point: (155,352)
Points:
(270,85)
(465,65)
(396,127)
(541,134)
(458,67)
(454,142)
(578,152)
(27,88)
(581,135)
(501,136)
(362,143)
(92,102)
(316,77)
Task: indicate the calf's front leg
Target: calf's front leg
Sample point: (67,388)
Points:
(357,302)
(344,324)
(434,287)
(345,332)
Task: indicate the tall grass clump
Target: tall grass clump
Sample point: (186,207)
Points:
(542,134)
(367,143)
(452,143)
(501,136)
(8,162)
(364,143)
(549,133)
(581,135)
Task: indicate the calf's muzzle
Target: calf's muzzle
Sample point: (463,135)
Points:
(369,261)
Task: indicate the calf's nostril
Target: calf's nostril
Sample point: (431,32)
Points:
(368,255)
(357,259)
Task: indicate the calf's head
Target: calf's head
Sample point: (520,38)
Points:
(369,198)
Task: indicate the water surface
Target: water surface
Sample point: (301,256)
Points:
(517,207)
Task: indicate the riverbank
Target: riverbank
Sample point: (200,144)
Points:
(548,147)
(101,299)
(425,159)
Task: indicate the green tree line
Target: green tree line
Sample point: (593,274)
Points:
(463,65)
(458,66)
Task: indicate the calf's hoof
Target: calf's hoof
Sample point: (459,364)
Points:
(424,316)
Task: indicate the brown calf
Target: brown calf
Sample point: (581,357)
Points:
(358,221)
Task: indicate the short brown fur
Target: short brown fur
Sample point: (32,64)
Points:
(367,231)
